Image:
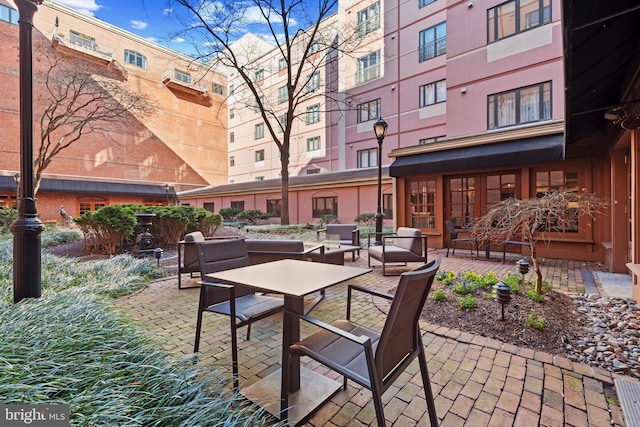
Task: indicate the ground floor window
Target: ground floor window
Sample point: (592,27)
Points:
(499,188)
(558,180)
(325,206)
(387,206)
(462,200)
(155,202)
(422,203)
(89,204)
(238,204)
(8,201)
(209,206)
(274,207)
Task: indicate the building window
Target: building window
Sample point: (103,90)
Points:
(368,111)
(135,58)
(259,101)
(232,161)
(314,47)
(259,178)
(313,83)
(325,206)
(500,187)
(422,203)
(433,42)
(433,93)
(90,204)
(217,89)
(259,155)
(516,16)
(232,113)
(387,206)
(232,137)
(313,114)
(368,67)
(368,158)
(83,40)
(368,20)
(232,89)
(558,180)
(209,206)
(313,144)
(282,122)
(313,171)
(282,64)
(258,132)
(423,3)
(8,14)
(523,105)
(274,207)
(283,95)
(238,204)
(8,200)
(258,76)
(182,76)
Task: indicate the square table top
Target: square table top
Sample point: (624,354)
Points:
(289,276)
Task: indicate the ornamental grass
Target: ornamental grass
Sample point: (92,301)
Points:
(72,347)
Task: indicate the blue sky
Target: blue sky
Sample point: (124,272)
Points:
(147,18)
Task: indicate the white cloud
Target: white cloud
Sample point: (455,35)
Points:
(85,6)
(138,25)
(152,39)
(167,11)
(178,40)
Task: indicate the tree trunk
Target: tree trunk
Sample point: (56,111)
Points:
(284,215)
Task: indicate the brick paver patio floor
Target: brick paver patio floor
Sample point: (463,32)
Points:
(477,381)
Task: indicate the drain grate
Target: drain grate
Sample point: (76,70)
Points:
(629,395)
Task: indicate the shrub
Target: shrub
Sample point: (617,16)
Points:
(329,219)
(467,302)
(7,216)
(535,322)
(51,238)
(252,216)
(229,214)
(367,219)
(107,227)
(439,295)
(513,281)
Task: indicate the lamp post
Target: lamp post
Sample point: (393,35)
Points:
(16,179)
(26,229)
(380,128)
(166,189)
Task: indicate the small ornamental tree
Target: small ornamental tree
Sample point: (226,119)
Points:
(557,212)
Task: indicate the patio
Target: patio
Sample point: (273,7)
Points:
(476,381)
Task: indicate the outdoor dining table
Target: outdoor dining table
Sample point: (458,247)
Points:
(294,279)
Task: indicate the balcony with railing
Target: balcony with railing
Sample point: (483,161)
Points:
(84,44)
(178,80)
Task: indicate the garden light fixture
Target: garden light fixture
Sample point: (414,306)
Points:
(503,295)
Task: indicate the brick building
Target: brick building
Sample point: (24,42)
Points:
(180,146)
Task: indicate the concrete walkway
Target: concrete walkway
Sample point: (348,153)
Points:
(477,381)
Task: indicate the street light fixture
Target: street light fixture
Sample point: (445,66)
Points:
(166,189)
(16,179)
(380,128)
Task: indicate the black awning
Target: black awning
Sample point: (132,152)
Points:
(92,187)
(532,150)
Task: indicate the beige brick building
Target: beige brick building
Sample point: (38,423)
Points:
(182,143)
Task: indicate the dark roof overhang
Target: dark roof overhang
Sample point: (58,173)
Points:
(50,185)
(602,67)
(523,151)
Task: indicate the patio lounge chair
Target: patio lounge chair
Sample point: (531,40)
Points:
(406,245)
(349,235)
(372,359)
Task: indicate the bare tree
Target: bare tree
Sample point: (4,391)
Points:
(305,39)
(81,100)
(558,211)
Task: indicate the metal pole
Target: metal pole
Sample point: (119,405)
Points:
(27,228)
(378,241)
